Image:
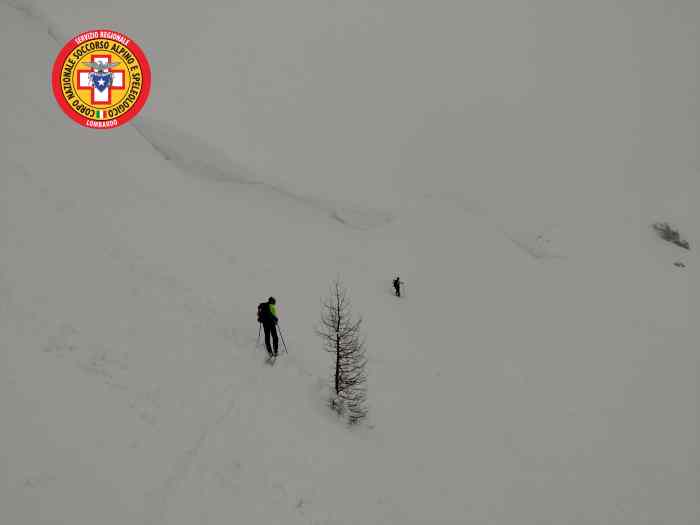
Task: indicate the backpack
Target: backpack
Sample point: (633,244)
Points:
(263,312)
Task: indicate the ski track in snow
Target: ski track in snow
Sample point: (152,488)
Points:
(157,501)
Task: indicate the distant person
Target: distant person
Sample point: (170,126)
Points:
(397,286)
(267,316)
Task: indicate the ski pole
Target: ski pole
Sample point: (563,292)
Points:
(282,338)
(257,342)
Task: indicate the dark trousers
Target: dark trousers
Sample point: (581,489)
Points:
(398,290)
(270,330)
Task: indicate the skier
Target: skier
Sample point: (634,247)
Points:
(397,286)
(267,315)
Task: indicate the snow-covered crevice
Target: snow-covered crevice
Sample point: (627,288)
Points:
(201,159)
(190,154)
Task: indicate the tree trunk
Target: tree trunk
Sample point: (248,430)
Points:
(337,364)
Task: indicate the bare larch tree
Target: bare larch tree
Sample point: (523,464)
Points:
(341,336)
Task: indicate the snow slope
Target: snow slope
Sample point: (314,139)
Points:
(542,368)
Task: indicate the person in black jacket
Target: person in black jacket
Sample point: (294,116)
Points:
(267,315)
(397,286)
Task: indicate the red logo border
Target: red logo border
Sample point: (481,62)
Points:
(125,117)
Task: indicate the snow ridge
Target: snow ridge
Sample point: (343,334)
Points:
(201,159)
(30,11)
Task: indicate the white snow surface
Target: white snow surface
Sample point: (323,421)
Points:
(506,158)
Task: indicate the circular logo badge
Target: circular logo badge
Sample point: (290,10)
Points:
(101,79)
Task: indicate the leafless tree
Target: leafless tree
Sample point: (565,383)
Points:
(341,336)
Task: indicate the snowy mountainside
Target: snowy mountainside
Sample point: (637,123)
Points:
(541,368)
